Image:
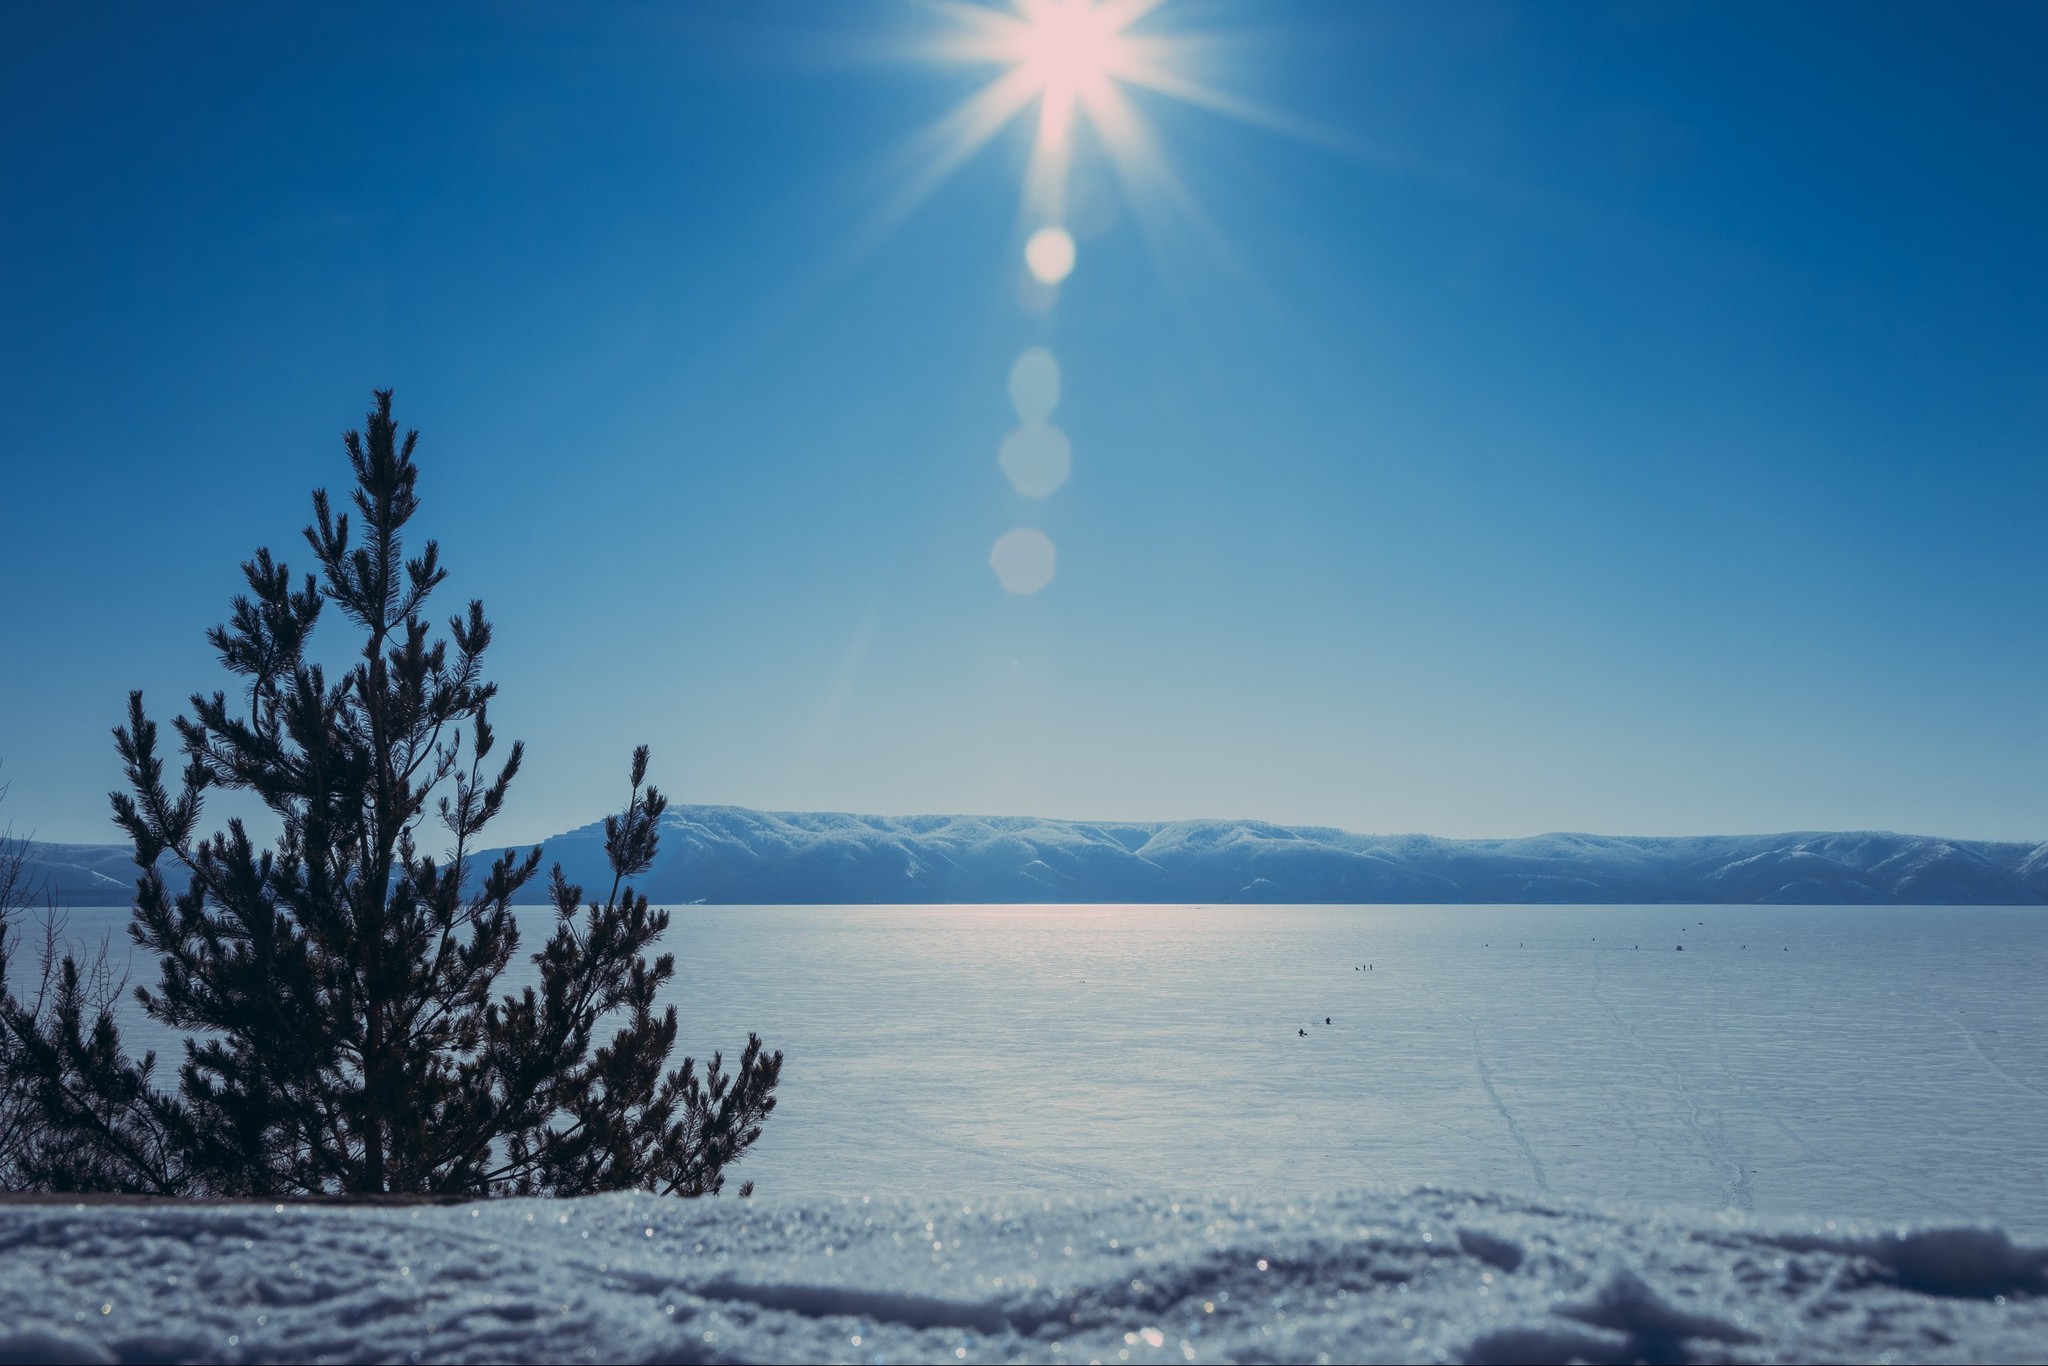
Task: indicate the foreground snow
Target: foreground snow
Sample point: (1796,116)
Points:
(1423,1275)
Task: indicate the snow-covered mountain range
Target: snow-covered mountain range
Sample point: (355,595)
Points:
(732,855)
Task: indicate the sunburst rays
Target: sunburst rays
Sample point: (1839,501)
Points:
(1070,62)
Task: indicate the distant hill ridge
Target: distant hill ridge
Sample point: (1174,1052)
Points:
(732,855)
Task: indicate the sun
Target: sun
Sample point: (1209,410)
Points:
(1069,52)
(1071,60)
(1070,66)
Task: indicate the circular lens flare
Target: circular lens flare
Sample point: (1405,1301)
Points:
(1035,385)
(1023,560)
(1036,460)
(1050,255)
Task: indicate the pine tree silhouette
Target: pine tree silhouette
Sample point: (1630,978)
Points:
(338,990)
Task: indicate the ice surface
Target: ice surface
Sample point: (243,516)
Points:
(1420,1275)
(1876,1063)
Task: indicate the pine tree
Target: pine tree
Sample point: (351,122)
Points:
(339,988)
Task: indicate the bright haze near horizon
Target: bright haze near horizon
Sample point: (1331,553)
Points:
(1480,420)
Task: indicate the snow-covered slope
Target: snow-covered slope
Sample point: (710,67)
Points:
(82,874)
(1424,1275)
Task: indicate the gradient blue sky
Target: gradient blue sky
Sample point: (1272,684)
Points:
(1622,418)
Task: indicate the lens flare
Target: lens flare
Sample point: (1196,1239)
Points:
(1035,385)
(1023,560)
(1050,255)
(1036,460)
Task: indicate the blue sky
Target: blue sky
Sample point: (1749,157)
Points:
(1613,418)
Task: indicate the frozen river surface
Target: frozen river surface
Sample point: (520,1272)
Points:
(1873,1062)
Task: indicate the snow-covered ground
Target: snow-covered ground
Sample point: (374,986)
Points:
(1425,1275)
